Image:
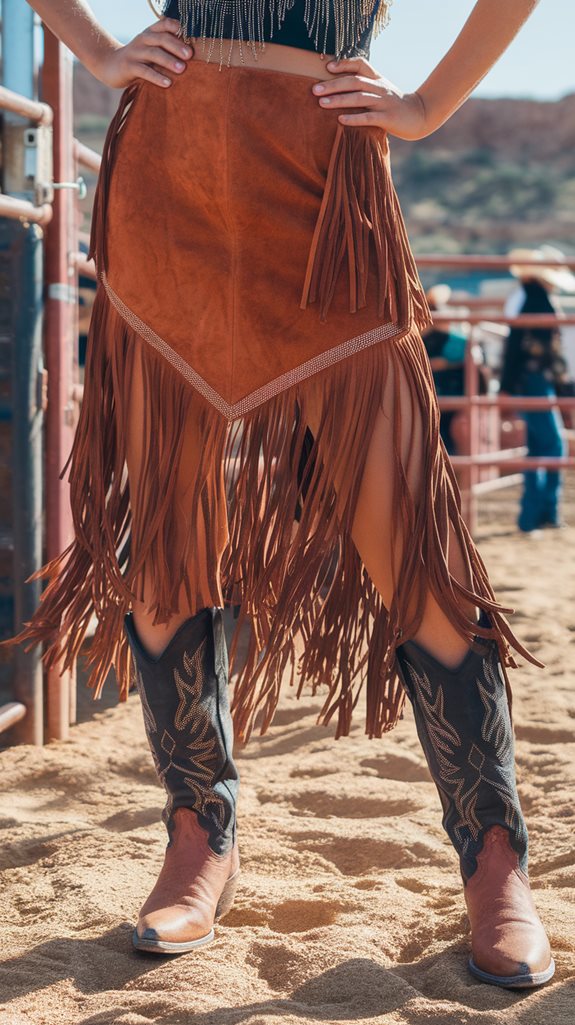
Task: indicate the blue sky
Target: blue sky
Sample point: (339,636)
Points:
(540,63)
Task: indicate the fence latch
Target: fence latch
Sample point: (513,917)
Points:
(38,165)
(79,184)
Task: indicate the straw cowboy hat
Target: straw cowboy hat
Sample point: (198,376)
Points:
(438,296)
(547,273)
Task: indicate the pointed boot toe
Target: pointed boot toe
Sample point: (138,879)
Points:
(154,941)
(180,928)
(172,930)
(509,946)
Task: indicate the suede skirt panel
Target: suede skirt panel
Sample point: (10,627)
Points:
(216,192)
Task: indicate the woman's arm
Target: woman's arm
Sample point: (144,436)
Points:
(490,28)
(148,55)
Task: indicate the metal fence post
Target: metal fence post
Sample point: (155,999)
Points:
(26,334)
(27,466)
(60,339)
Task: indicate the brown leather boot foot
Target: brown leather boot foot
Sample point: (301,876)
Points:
(509,946)
(195,888)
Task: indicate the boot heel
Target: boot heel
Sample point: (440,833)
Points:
(228,896)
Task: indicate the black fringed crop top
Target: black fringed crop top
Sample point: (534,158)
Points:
(340,27)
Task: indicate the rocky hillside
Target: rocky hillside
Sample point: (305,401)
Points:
(500,173)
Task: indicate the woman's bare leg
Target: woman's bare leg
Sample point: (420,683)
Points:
(380,546)
(377,527)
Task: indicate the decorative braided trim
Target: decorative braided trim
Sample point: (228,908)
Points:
(268,391)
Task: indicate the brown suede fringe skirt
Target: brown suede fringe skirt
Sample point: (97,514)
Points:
(253,269)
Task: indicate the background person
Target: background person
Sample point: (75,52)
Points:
(447,349)
(86,296)
(534,366)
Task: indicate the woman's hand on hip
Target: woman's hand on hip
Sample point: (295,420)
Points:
(355,83)
(156,54)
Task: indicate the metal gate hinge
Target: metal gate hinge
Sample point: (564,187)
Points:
(79,184)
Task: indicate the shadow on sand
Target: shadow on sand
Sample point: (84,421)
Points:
(355,990)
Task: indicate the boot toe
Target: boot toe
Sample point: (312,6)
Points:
(518,956)
(170,932)
(512,974)
(509,945)
(177,924)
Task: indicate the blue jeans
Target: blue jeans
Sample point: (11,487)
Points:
(542,488)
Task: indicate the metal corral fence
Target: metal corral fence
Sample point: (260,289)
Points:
(41,160)
(484,413)
(40,188)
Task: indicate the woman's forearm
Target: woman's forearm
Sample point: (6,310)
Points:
(74,23)
(490,28)
(155,54)
(487,33)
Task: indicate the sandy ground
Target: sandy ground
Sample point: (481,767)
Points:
(350,908)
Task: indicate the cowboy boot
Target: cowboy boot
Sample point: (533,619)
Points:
(184,696)
(464,725)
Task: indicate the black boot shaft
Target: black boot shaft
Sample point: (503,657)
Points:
(184,694)
(464,724)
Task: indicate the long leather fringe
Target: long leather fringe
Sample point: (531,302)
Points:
(312,607)
(347,637)
(360,206)
(290,562)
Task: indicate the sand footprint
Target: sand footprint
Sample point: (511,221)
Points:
(320,803)
(450,929)
(289,916)
(406,768)
(280,966)
(240,917)
(302,915)
(288,716)
(539,734)
(315,772)
(355,858)
(125,821)
(28,853)
(413,885)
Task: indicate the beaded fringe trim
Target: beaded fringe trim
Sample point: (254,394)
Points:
(350,19)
